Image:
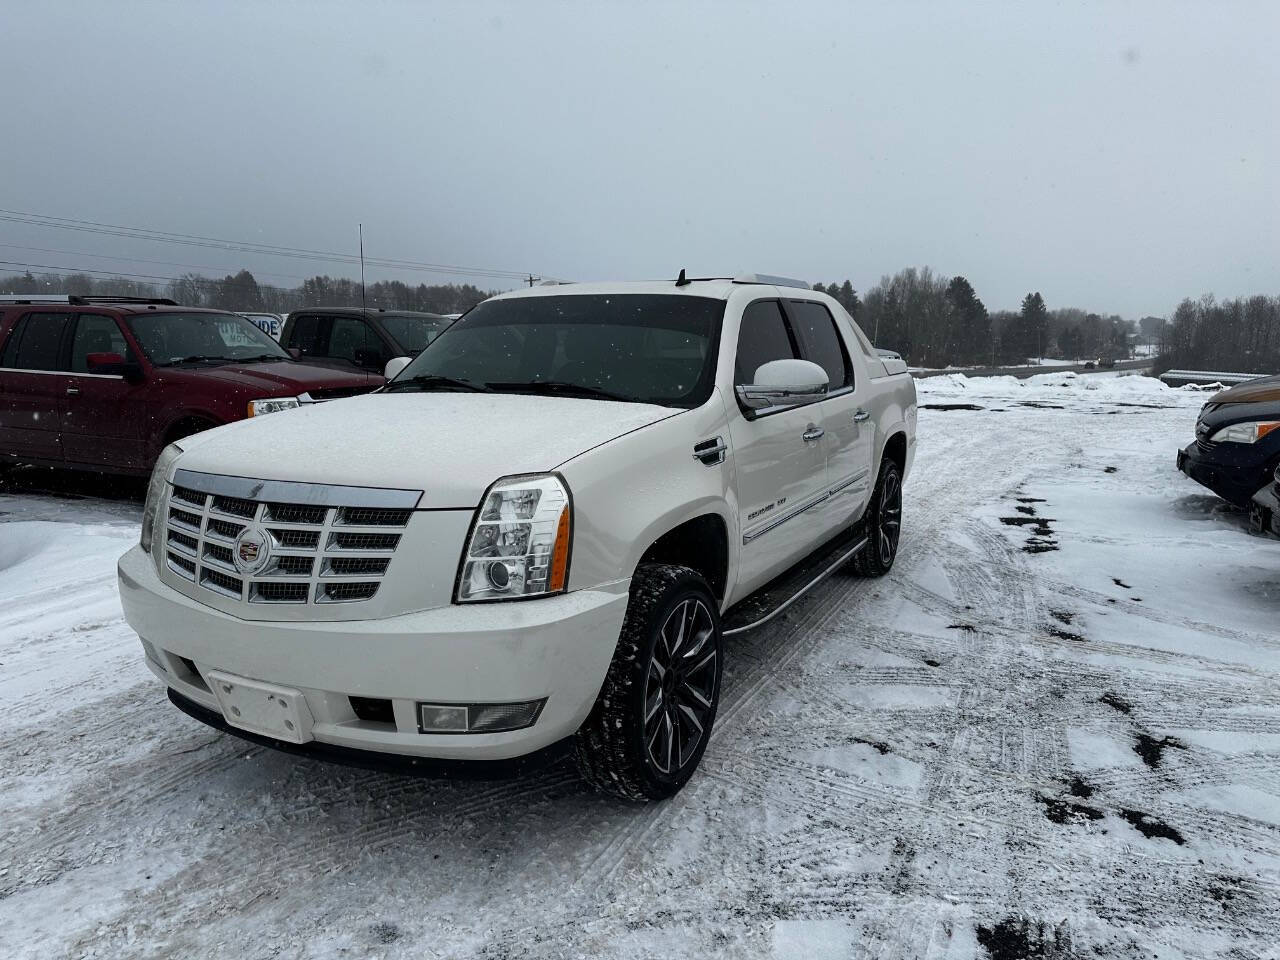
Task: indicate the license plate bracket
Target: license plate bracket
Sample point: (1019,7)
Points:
(262,708)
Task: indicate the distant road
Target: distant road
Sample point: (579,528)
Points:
(1023,372)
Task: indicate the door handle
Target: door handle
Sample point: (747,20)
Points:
(861,416)
(813,433)
(73,391)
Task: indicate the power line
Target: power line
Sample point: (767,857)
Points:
(245,246)
(163,263)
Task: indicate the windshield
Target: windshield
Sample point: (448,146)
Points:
(169,338)
(644,348)
(412,334)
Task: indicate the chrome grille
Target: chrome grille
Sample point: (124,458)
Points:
(309,560)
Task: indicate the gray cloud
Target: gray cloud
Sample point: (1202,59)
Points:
(1115,157)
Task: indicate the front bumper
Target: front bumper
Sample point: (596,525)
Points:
(1266,509)
(557,647)
(1232,471)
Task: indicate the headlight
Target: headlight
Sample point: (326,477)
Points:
(259,408)
(155,489)
(519,543)
(1250,432)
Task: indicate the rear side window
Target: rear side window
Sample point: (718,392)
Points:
(820,342)
(762,337)
(96,333)
(304,333)
(36,342)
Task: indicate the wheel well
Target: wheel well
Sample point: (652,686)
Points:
(896,450)
(185,427)
(702,544)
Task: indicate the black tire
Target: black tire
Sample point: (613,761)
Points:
(659,698)
(884,523)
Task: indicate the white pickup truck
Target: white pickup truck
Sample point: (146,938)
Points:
(534,539)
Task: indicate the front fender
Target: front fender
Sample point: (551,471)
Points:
(630,491)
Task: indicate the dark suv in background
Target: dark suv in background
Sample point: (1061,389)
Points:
(104,383)
(360,338)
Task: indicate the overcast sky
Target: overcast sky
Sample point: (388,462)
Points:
(1115,156)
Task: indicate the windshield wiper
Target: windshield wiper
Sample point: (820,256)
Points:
(558,388)
(197,358)
(429,381)
(262,358)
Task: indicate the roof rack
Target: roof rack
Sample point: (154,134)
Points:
(76,299)
(763,278)
(770,280)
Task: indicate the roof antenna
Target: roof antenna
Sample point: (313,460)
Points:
(363,305)
(682,280)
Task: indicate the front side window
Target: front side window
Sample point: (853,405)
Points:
(351,339)
(96,333)
(762,337)
(642,348)
(174,338)
(820,342)
(413,334)
(36,342)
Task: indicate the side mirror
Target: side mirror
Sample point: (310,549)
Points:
(295,352)
(784,383)
(371,359)
(394,366)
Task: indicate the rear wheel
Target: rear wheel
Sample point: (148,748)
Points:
(884,523)
(650,725)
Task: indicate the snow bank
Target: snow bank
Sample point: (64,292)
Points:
(1093,386)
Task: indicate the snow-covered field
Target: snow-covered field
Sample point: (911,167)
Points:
(1053,731)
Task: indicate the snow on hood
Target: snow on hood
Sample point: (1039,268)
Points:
(451,446)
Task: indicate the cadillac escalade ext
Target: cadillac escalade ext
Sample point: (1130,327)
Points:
(535,538)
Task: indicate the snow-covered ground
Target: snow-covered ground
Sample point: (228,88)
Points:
(1053,730)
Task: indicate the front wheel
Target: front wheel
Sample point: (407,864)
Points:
(884,523)
(650,724)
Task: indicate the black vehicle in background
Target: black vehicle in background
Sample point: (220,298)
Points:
(359,337)
(1237,447)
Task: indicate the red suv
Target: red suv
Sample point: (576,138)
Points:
(104,383)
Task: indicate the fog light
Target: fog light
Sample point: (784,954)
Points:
(478,717)
(442,718)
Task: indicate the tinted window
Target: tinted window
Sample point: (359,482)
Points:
(647,348)
(763,337)
(96,333)
(304,333)
(351,339)
(10,353)
(36,341)
(820,341)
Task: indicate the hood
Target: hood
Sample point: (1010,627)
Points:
(451,446)
(1266,389)
(286,378)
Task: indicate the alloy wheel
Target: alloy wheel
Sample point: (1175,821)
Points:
(889,521)
(680,689)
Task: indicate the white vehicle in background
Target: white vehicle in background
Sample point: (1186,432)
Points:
(269,323)
(532,540)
